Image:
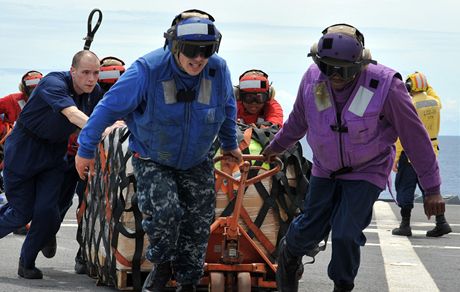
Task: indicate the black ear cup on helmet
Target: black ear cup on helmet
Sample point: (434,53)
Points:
(236,92)
(408,85)
(313,52)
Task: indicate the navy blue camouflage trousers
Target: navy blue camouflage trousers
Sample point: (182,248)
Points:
(178,208)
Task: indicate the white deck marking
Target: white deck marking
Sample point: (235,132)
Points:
(69,225)
(403,268)
(415,232)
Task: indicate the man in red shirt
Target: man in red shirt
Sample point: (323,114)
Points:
(256,101)
(10,108)
(12,104)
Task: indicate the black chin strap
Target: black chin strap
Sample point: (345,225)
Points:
(90,35)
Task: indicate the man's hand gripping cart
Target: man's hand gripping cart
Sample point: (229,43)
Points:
(234,262)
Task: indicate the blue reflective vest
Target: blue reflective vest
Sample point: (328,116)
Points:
(164,129)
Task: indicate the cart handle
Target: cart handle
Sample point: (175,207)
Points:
(91,32)
(246,166)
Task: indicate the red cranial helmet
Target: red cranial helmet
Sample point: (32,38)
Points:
(254,87)
(29,81)
(31,78)
(111,70)
(254,81)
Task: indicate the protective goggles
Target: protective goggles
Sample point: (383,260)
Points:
(345,70)
(254,97)
(193,49)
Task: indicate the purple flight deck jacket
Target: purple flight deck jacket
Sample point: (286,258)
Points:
(356,128)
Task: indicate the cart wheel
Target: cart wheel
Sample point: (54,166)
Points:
(217,282)
(244,282)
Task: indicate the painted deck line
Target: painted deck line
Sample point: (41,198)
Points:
(75,225)
(400,260)
(422,246)
(417,233)
(421,224)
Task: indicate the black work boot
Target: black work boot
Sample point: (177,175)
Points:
(50,248)
(289,271)
(186,288)
(404,228)
(158,277)
(441,228)
(32,273)
(80,263)
(343,287)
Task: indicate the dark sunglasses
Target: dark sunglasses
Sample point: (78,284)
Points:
(346,72)
(193,49)
(254,97)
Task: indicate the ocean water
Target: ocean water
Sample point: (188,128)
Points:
(449,163)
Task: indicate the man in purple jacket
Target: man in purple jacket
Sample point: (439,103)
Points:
(351,111)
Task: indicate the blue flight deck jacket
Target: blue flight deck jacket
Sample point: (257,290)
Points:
(164,129)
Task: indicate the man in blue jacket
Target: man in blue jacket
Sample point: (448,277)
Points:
(175,100)
(34,156)
(110,70)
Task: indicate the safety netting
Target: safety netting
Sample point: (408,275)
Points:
(113,242)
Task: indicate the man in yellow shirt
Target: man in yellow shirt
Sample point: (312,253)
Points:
(428,106)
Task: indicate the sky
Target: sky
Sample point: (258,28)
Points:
(274,36)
